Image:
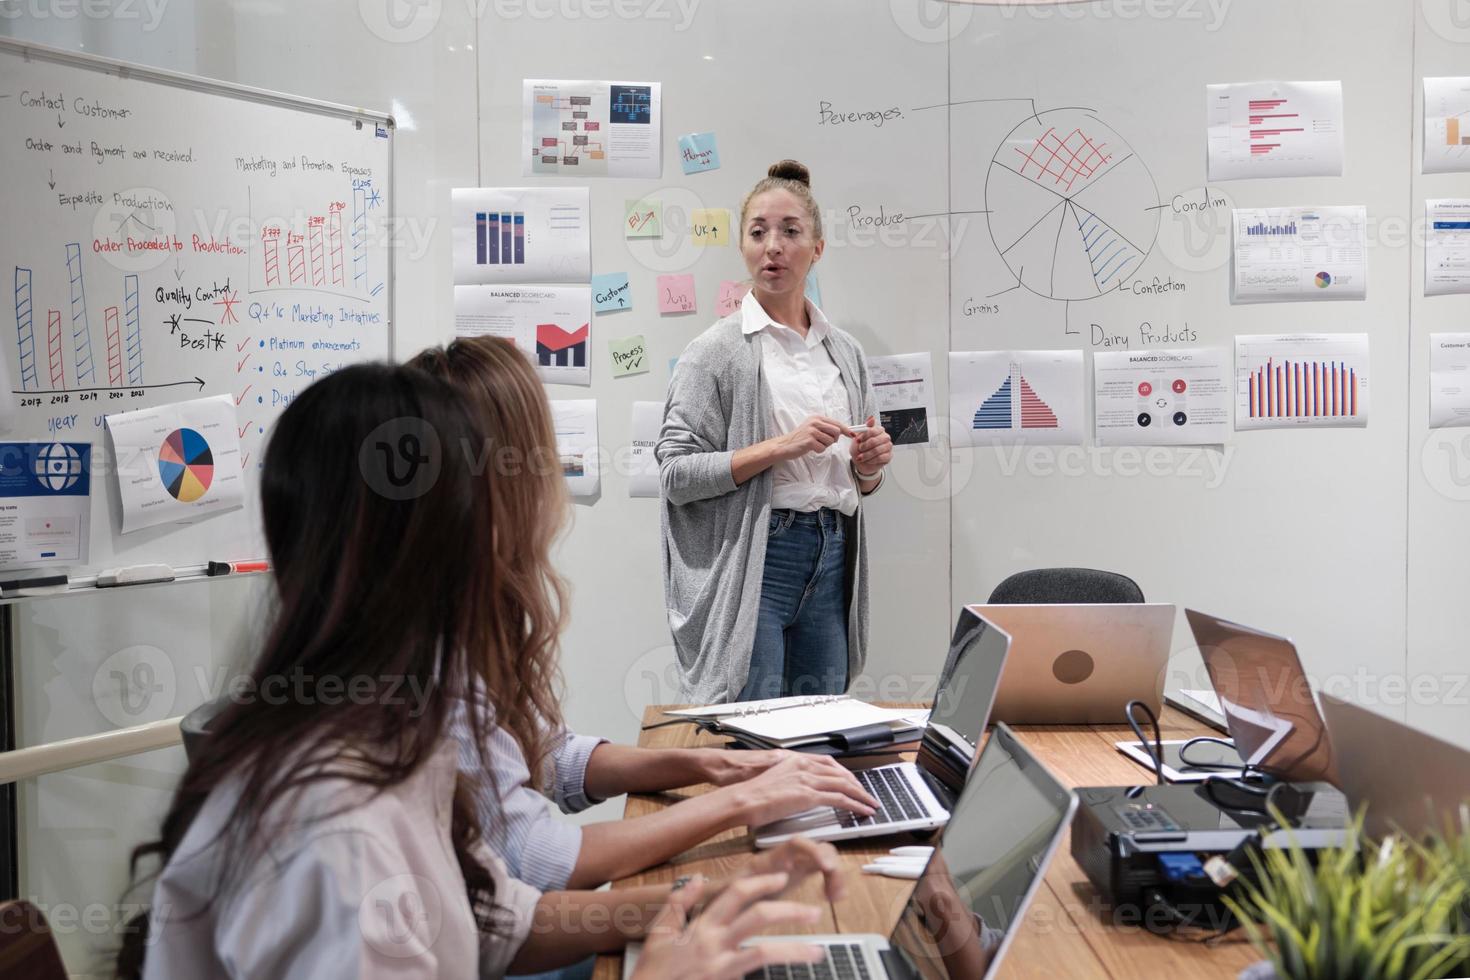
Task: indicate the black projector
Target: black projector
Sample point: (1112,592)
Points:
(1145,848)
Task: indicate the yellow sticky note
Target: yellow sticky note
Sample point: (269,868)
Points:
(710,226)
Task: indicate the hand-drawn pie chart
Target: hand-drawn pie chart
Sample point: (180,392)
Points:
(186,465)
(1072,210)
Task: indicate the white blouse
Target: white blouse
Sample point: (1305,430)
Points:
(372,892)
(804,381)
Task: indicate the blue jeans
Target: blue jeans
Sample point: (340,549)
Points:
(801,633)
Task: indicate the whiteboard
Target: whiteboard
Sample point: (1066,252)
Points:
(174,238)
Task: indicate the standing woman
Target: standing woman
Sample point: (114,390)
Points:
(763,471)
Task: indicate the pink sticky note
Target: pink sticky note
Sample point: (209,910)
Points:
(731,293)
(676,294)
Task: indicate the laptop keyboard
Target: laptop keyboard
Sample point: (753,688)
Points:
(844,962)
(896,799)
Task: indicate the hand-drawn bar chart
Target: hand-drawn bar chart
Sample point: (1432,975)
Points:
(71,347)
(1305,380)
(322,249)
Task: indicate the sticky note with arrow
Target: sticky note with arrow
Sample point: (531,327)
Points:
(610,292)
(710,226)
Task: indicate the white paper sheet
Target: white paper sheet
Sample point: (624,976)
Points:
(648,419)
(521,234)
(1449,380)
(575,422)
(904,387)
(1446,246)
(1162,397)
(1274,129)
(552,325)
(178,462)
(1299,254)
(1287,381)
(1016,397)
(1446,125)
(591,128)
(45,503)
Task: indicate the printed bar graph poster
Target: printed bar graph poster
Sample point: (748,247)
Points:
(1025,397)
(1274,129)
(1446,125)
(591,129)
(550,324)
(521,234)
(1288,381)
(1299,254)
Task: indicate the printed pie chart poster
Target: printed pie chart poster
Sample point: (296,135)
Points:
(177,462)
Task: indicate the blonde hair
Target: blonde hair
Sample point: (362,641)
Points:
(796,179)
(528,510)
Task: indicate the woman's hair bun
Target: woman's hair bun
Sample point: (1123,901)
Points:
(791,170)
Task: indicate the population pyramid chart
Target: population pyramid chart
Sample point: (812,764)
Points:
(185,465)
(1016,397)
(1073,210)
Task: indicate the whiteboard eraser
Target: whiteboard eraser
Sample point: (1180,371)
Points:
(134,575)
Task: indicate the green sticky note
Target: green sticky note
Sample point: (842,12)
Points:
(643,218)
(629,356)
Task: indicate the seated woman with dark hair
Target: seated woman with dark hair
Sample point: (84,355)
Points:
(331,833)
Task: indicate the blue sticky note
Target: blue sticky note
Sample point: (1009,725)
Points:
(698,153)
(813,288)
(610,292)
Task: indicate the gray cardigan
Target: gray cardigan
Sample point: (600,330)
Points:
(714,532)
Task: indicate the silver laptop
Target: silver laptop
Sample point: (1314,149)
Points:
(1409,781)
(917,796)
(1266,699)
(967,906)
(1081,664)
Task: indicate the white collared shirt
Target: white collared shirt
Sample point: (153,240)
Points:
(804,381)
(355,884)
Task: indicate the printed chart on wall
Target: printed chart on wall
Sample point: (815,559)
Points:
(1299,254)
(903,385)
(1446,125)
(1274,129)
(1016,397)
(1301,380)
(1161,397)
(1071,207)
(591,129)
(170,242)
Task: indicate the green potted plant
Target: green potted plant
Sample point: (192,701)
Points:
(1388,911)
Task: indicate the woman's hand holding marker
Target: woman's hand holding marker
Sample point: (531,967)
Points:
(872,449)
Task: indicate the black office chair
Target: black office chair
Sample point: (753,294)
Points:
(1065,585)
(195,725)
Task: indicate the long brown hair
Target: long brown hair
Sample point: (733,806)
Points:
(528,502)
(375,523)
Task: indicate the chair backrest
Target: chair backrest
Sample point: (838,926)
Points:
(196,723)
(1066,585)
(27,948)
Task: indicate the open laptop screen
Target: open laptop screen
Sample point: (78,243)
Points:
(971,675)
(967,905)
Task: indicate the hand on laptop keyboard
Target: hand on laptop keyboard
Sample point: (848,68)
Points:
(708,948)
(896,799)
(797,784)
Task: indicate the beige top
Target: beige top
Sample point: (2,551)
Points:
(372,892)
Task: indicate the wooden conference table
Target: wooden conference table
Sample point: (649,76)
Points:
(1070,930)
